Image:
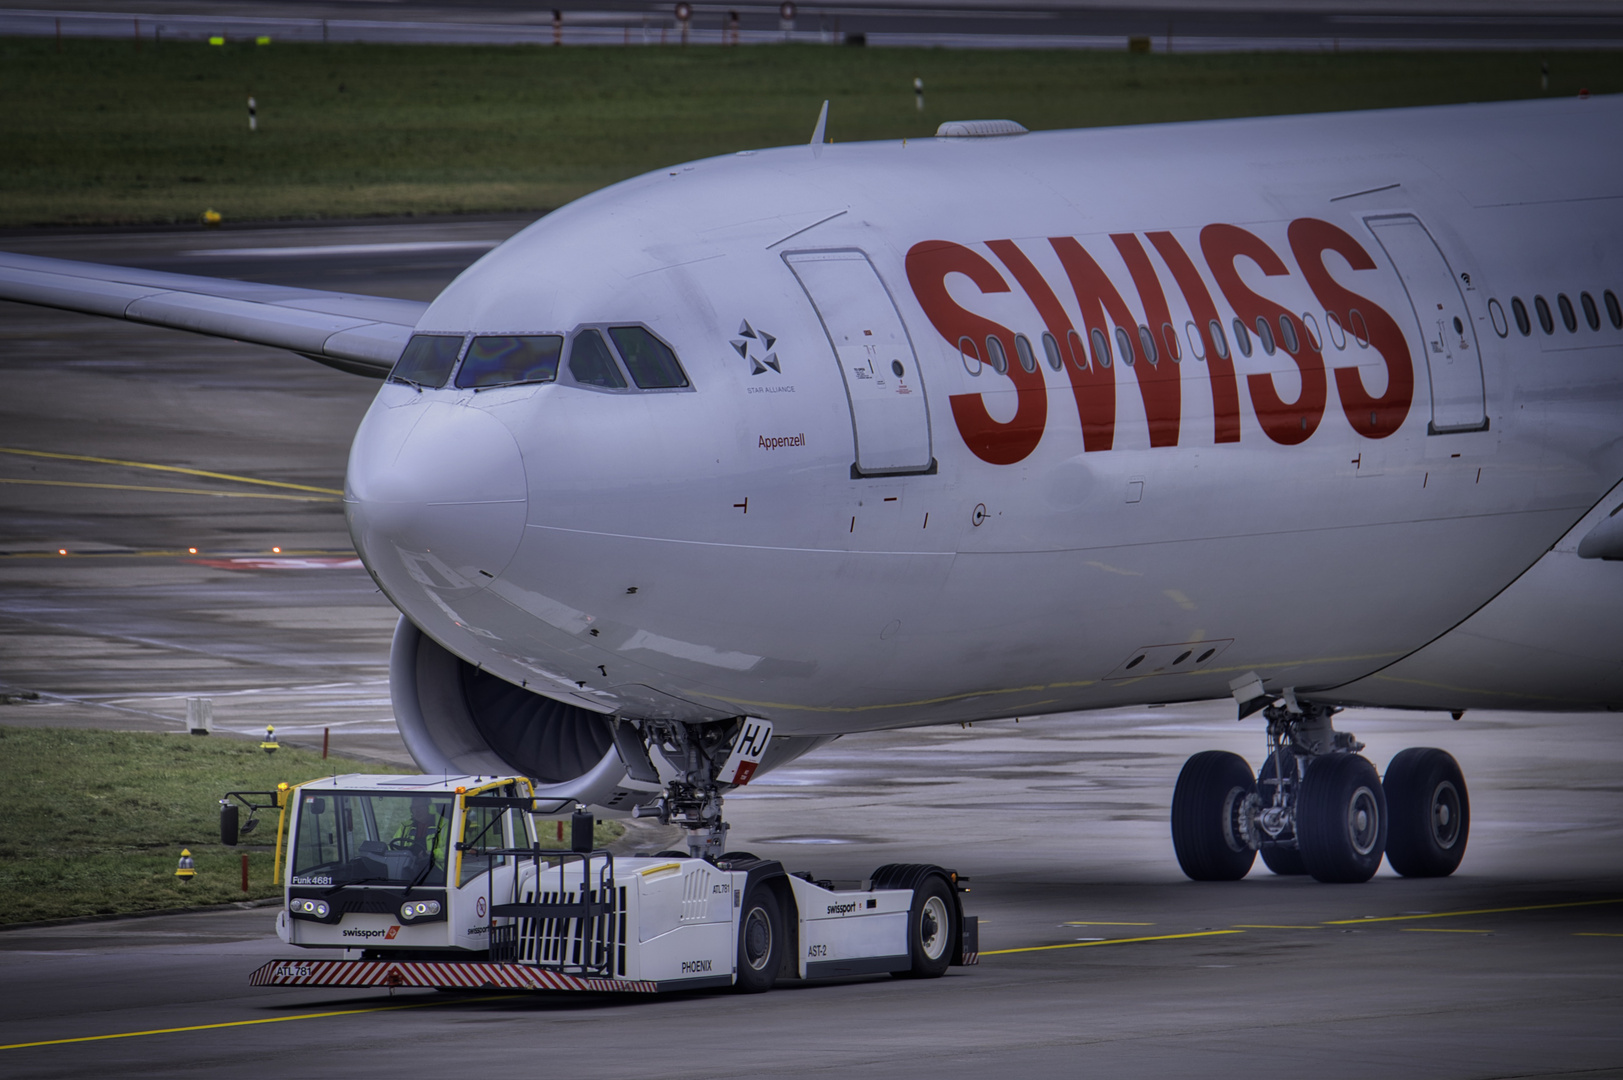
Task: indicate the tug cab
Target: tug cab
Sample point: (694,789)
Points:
(403,863)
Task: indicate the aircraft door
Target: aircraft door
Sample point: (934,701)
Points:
(1458,400)
(883,384)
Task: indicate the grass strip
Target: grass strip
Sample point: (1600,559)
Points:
(94,821)
(100,132)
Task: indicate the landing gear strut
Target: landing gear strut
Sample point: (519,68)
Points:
(693,798)
(1317,806)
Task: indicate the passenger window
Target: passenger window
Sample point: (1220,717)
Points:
(1287,334)
(1197,347)
(1614,310)
(1051,350)
(969,355)
(1591,314)
(1101,348)
(1022,349)
(1569,318)
(1124,345)
(1169,338)
(591,363)
(427,360)
(1311,326)
(1079,352)
(1496,312)
(1265,334)
(1242,339)
(995,354)
(1359,328)
(652,364)
(1146,341)
(1332,327)
(1544,319)
(505,360)
(1519,309)
(1219,343)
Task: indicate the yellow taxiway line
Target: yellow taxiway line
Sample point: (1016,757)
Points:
(235,1023)
(172,490)
(1474,911)
(165,468)
(1109,941)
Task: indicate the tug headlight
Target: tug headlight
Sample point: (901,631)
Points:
(316,908)
(417,909)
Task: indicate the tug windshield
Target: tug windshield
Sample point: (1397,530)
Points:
(354,838)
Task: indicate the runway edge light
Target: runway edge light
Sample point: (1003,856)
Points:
(186,870)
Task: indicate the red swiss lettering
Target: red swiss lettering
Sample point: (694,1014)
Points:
(1093,387)
(1219,365)
(1285,422)
(998,443)
(1158,383)
(1370,416)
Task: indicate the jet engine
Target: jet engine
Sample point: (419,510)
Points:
(456,718)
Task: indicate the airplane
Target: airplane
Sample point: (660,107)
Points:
(717,464)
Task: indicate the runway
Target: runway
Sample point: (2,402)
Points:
(1098,957)
(1166,25)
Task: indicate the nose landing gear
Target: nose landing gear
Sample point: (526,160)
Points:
(1318,807)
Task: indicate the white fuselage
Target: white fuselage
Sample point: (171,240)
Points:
(841,550)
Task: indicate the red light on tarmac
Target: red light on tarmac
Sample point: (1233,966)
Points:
(191,551)
(276,551)
(61,551)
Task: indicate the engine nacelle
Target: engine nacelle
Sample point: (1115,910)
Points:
(456,718)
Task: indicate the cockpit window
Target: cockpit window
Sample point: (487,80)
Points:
(507,359)
(427,361)
(591,363)
(652,363)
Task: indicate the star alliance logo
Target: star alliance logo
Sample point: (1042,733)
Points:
(752,343)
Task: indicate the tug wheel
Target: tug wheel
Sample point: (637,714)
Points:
(931,929)
(760,942)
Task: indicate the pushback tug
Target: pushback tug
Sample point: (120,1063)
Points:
(446,882)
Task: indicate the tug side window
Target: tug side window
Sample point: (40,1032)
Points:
(482,828)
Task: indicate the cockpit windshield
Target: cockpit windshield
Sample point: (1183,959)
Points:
(427,360)
(362,838)
(507,359)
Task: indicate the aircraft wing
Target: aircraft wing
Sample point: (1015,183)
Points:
(363,335)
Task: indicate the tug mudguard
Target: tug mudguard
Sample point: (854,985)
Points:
(771,873)
(966,931)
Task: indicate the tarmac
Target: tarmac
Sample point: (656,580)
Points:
(1098,957)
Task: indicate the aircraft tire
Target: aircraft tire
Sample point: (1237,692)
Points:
(1283,859)
(1429,810)
(1207,835)
(760,941)
(931,929)
(1341,821)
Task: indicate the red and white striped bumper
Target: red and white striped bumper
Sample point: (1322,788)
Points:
(434,974)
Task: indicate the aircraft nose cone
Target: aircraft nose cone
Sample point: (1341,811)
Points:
(436,495)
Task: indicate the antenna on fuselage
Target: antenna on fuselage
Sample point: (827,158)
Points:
(819,131)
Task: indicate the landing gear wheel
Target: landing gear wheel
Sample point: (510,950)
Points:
(1430,813)
(1341,819)
(1284,859)
(760,942)
(1211,828)
(932,927)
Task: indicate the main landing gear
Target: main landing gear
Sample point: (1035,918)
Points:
(1318,807)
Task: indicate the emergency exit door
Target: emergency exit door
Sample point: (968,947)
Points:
(1458,400)
(889,416)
